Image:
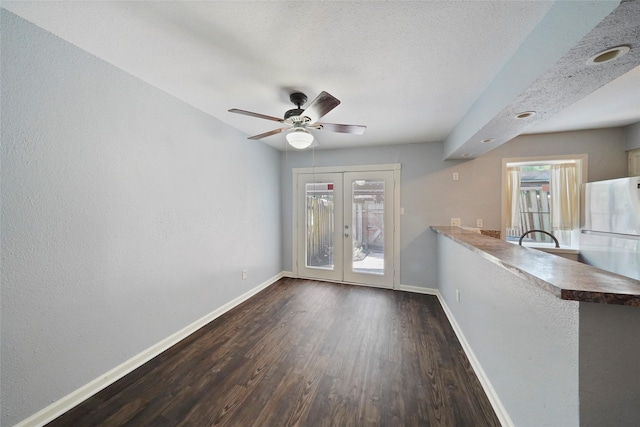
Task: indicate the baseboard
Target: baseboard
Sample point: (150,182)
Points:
(288,274)
(417,289)
(494,399)
(78,396)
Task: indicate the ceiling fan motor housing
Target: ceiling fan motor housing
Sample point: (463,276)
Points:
(299,99)
(293,113)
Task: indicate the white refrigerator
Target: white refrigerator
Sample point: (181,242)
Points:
(610,236)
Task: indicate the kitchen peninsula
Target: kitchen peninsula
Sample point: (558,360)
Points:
(568,280)
(554,342)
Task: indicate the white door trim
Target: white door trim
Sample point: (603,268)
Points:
(395,167)
(356,168)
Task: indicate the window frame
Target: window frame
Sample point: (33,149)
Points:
(582,166)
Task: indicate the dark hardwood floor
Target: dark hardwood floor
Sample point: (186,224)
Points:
(304,353)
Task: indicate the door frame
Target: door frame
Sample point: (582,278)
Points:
(394,167)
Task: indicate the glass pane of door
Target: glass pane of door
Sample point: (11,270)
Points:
(320,225)
(319,243)
(368,254)
(367,226)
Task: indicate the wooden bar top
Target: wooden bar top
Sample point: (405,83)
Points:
(566,279)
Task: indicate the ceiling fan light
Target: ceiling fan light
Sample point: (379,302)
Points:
(300,139)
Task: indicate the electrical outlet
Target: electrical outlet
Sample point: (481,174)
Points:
(479,223)
(455,222)
(458,296)
(456,176)
(244,274)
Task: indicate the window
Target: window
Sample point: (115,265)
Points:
(543,194)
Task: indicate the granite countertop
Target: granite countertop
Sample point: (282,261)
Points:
(566,279)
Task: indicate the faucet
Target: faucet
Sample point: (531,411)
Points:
(539,231)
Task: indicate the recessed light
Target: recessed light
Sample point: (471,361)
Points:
(608,55)
(525,114)
(487,140)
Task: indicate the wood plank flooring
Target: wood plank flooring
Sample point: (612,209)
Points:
(304,353)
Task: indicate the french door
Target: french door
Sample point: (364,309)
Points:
(345,227)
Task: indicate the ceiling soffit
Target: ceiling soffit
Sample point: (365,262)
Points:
(566,81)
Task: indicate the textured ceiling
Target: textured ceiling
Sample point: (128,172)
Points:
(410,71)
(615,104)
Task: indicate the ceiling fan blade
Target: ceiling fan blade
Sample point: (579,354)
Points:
(271,132)
(320,106)
(258,115)
(334,127)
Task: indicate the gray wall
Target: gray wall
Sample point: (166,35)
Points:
(632,137)
(430,196)
(551,362)
(126,215)
(424,203)
(609,365)
(525,338)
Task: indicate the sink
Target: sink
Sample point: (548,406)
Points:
(572,254)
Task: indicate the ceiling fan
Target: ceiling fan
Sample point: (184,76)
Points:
(298,121)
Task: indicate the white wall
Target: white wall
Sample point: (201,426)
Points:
(525,339)
(126,215)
